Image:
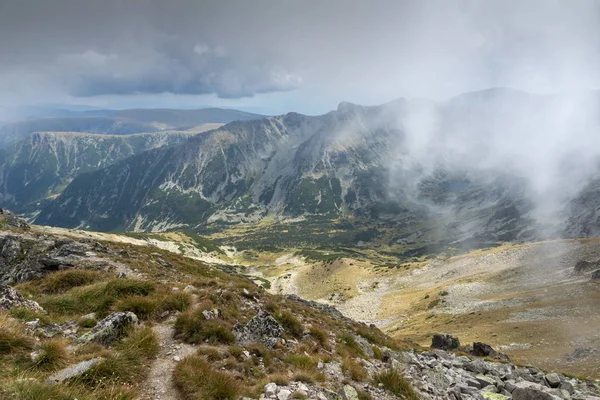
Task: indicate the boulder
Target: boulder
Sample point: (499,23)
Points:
(109,329)
(482,349)
(530,393)
(348,393)
(212,314)
(10,298)
(73,371)
(553,380)
(477,366)
(596,275)
(270,389)
(444,341)
(262,329)
(284,394)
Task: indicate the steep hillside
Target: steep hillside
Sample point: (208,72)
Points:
(41,165)
(457,173)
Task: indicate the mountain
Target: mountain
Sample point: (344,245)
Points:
(42,164)
(120,122)
(478,169)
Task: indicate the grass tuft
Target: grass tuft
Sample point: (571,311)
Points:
(354,370)
(62,281)
(12,336)
(393,381)
(53,354)
(197,380)
(194,328)
(290,323)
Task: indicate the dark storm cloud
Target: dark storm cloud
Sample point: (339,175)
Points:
(363,51)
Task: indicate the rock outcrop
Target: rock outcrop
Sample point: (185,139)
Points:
(73,371)
(444,341)
(109,329)
(262,329)
(26,256)
(10,298)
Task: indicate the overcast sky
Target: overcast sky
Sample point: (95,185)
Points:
(277,56)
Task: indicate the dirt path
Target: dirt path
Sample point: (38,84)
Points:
(159,384)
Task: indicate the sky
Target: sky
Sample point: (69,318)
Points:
(275,56)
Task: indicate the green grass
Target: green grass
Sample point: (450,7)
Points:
(394,382)
(290,324)
(348,346)
(129,364)
(61,281)
(196,380)
(53,354)
(192,327)
(354,370)
(28,389)
(12,336)
(98,298)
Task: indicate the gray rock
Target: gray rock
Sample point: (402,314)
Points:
(567,386)
(553,380)
(348,393)
(262,328)
(73,371)
(595,275)
(283,394)
(110,328)
(477,366)
(494,396)
(270,389)
(212,314)
(10,298)
(444,341)
(530,393)
(503,371)
(364,344)
(485,380)
(475,383)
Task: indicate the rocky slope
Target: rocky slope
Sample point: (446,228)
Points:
(450,174)
(113,320)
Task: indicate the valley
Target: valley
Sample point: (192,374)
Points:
(523,299)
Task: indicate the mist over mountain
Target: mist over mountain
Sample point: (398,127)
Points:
(495,165)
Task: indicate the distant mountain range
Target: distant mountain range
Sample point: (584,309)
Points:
(459,173)
(117,122)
